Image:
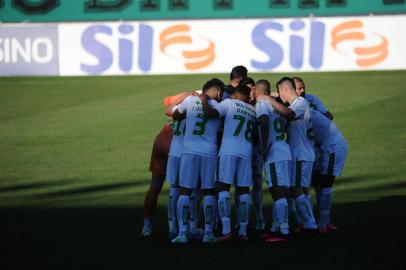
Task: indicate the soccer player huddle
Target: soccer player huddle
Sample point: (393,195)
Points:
(228,136)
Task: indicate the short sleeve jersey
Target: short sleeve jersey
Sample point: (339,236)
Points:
(300,131)
(239,118)
(315,103)
(178,128)
(280,149)
(327,136)
(201,132)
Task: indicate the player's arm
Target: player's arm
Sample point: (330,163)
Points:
(329,115)
(178,116)
(207,110)
(264,129)
(172,101)
(286,112)
(179,112)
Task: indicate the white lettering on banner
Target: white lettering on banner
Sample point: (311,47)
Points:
(38,50)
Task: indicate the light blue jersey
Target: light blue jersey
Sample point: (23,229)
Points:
(177,139)
(201,132)
(300,131)
(280,149)
(238,128)
(327,137)
(315,103)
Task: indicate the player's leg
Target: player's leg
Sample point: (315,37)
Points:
(150,202)
(159,158)
(207,172)
(243,184)
(278,178)
(301,177)
(195,203)
(225,179)
(257,195)
(332,166)
(172,177)
(188,179)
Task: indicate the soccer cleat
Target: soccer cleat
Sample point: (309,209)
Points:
(276,239)
(242,238)
(145,233)
(225,238)
(209,239)
(331,227)
(196,234)
(299,228)
(180,239)
(172,235)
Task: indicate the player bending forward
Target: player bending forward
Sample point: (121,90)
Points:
(198,160)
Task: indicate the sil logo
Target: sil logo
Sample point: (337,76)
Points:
(369,48)
(180,34)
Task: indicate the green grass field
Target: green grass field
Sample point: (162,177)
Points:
(74,169)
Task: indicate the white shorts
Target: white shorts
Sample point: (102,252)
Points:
(301,173)
(277,174)
(333,163)
(235,170)
(194,168)
(172,170)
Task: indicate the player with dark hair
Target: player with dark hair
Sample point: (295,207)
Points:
(235,157)
(198,160)
(238,73)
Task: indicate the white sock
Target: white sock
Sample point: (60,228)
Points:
(171,207)
(194,210)
(305,211)
(244,212)
(224,206)
(183,210)
(147,224)
(258,205)
(275,224)
(326,200)
(237,206)
(209,209)
(282,213)
(309,199)
(293,211)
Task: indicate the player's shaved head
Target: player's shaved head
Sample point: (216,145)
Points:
(242,92)
(248,81)
(263,87)
(213,83)
(286,81)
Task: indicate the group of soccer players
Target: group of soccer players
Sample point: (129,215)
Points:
(230,135)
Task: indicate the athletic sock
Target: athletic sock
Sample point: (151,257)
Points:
(293,211)
(281,210)
(326,200)
(309,199)
(244,213)
(209,206)
(305,211)
(147,224)
(237,206)
(183,210)
(171,207)
(224,206)
(275,224)
(194,210)
(258,205)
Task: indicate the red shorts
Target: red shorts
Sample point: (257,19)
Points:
(160,150)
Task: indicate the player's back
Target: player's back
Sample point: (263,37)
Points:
(315,103)
(280,149)
(238,128)
(201,132)
(178,128)
(300,131)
